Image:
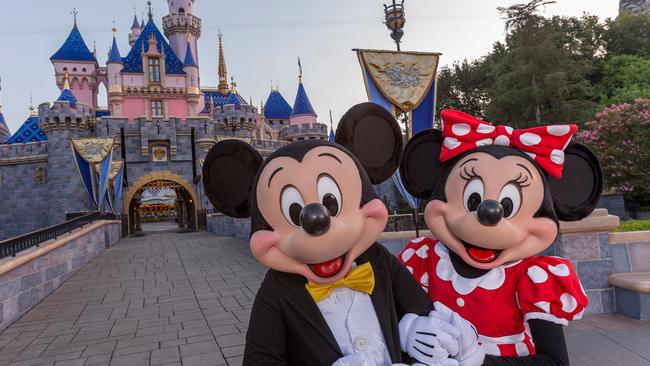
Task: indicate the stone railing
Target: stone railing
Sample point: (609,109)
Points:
(33,274)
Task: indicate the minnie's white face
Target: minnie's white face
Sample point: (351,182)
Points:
(488,219)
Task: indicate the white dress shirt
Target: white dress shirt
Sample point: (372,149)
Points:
(354,323)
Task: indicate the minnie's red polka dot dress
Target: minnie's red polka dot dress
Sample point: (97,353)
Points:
(502,300)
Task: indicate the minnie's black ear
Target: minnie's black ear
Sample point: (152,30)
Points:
(228,172)
(577,193)
(421,165)
(372,134)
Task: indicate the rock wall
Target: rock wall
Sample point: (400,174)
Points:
(636,6)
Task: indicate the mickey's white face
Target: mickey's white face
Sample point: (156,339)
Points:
(313,207)
(489,217)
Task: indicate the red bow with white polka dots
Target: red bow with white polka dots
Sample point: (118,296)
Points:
(544,144)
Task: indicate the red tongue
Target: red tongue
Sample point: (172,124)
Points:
(482,255)
(329,268)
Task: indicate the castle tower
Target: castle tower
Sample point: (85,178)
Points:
(136,30)
(223,73)
(4,129)
(303,112)
(178,24)
(78,62)
(191,69)
(114,68)
(66,119)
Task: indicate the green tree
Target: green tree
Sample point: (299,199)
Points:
(624,78)
(628,34)
(465,86)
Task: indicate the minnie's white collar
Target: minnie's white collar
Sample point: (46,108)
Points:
(492,280)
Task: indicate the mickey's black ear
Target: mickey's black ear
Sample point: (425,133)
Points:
(372,134)
(421,165)
(577,193)
(228,172)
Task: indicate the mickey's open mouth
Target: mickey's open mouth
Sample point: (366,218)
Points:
(328,268)
(481,255)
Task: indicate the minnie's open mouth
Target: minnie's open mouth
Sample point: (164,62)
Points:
(481,255)
(328,268)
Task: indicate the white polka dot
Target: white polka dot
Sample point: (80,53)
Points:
(509,130)
(561,270)
(407,254)
(567,144)
(522,349)
(569,303)
(483,142)
(537,274)
(544,305)
(410,269)
(491,349)
(423,252)
(417,240)
(460,302)
(532,155)
(424,280)
(502,140)
(559,130)
(482,128)
(579,315)
(451,143)
(557,156)
(425,289)
(530,139)
(460,129)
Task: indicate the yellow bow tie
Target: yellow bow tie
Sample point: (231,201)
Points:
(361,278)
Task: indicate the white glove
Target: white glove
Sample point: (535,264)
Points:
(429,340)
(356,359)
(470,353)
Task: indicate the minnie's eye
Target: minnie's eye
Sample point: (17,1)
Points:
(473,195)
(329,194)
(510,198)
(291,203)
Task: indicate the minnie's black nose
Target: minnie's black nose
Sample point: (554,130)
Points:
(489,213)
(315,219)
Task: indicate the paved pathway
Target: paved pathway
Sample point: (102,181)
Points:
(184,299)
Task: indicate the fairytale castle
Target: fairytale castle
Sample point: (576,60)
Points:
(162,119)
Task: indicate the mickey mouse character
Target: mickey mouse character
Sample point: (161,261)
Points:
(495,197)
(332,296)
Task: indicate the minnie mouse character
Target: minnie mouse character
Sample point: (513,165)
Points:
(495,197)
(332,296)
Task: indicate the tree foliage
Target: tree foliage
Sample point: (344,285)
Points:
(628,34)
(620,137)
(624,78)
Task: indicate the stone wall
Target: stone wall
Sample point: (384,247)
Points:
(227,226)
(33,274)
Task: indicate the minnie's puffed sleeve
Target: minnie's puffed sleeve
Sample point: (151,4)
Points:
(416,257)
(550,290)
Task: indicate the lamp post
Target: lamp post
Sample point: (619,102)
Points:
(395,21)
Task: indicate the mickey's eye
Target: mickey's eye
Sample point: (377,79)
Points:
(329,194)
(510,198)
(473,195)
(291,203)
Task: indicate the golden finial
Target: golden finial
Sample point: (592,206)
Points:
(114,29)
(233,84)
(223,73)
(66,82)
(31,105)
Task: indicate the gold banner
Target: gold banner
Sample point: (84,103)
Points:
(247,140)
(93,150)
(116,165)
(404,78)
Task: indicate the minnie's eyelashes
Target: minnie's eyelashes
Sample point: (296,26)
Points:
(469,174)
(521,180)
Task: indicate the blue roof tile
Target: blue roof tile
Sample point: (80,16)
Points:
(30,131)
(74,49)
(114,55)
(302,105)
(136,22)
(133,61)
(276,106)
(219,99)
(189,57)
(67,96)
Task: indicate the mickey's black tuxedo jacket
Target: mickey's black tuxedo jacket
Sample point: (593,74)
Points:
(287,328)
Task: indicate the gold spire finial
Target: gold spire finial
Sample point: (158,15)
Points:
(233,85)
(66,82)
(31,105)
(223,73)
(114,29)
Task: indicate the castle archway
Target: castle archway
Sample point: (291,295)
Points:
(176,201)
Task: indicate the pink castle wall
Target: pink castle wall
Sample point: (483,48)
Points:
(177,108)
(299,120)
(133,108)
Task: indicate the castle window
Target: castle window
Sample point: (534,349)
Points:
(83,70)
(156,108)
(181,11)
(154,70)
(74,69)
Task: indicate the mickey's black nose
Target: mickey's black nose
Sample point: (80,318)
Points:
(315,219)
(489,213)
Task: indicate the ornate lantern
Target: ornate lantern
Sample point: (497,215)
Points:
(395,21)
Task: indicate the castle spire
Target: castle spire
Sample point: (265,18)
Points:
(150,11)
(66,82)
(223,74)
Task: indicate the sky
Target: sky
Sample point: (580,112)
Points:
(262,41)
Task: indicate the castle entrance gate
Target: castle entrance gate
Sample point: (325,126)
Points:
(161,201)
